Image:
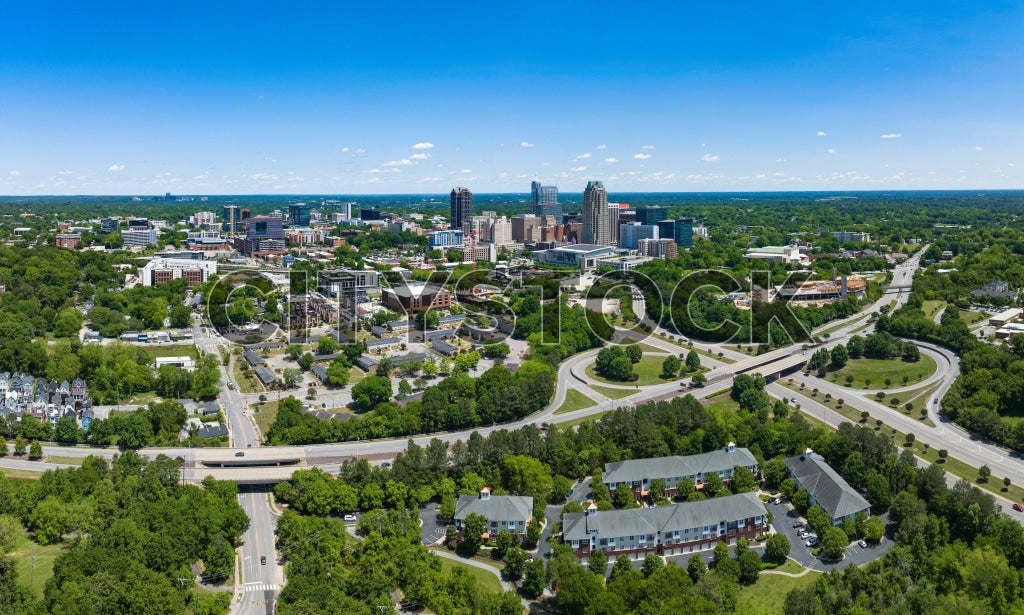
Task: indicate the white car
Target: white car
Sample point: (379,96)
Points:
(349,518)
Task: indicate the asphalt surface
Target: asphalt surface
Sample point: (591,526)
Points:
(785,516)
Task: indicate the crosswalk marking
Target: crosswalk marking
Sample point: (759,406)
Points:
(259,587)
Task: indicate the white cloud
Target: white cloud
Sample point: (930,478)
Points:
(525,144)
(263,177)
(831,151)
(781,160)
(66,172)
(344,150)
(430,179)
(642,156)
(201,176)
(977,148)
(602,146)
(398,163)
(647,147)
(116,167)
(373,180)
(359,151)
(578,169)
(892,135)
(611,160)
(419,156)
(821,133)
(583,156)
(466,171)
(14,173)
(709,157)
(546,164)
(423,146)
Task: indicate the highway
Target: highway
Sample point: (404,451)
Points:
(258,541)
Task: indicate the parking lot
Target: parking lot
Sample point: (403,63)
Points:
(785,518)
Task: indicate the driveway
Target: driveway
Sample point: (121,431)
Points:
(786,516)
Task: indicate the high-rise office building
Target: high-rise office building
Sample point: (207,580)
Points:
(545,200)
(233,218)
(298,214)
(595,214)
(631,234)
(649,214)
(680,230)
(462,206)
(613,224)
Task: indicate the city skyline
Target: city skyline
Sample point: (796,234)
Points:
(300,100)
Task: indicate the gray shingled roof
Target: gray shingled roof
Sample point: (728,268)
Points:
(212,431)
(320,372)
(631,522)
(384,341)
(497,507)
(265,375)
(443,347)
(831,491)
(253,358)
(670,467)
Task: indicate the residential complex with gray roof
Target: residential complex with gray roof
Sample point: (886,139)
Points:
(510,513)
(825,487)
(638,474)
(665,530)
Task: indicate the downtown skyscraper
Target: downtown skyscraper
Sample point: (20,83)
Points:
(596,227)
(545,201)
(462,206)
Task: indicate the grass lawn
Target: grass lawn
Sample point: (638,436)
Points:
(266,415)
(580,421)
(724,405)
(574,400)
(648,370)
(768,595)
(877,370)
(611,393)
(44,556)
(15,473)
(245,381)
(972,317)
(485,579)
(932,307)
(71,461)
(142,398)
(182,350)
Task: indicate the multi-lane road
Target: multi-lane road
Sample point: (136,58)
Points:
(258,541)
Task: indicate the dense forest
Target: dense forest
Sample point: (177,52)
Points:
(130,532)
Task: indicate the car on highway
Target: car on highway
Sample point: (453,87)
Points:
(1018,507)
(240,454)
(231,385)
(263,560)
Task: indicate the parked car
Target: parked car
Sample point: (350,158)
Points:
(798,524)
(1018,507)
(863,545)
(813,542)
(350,518)
(804,534)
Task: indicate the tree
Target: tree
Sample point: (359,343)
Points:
(49,519)
(447,511)
(293,351)
(652,564)
(496,351)
(472,534)
(430,369)
(3,447)
(774,472)
(983,473)
(801,499)
(306,361)
(692,360)
(327,345)
(713,484)
(371,391)
(696,567)
(502,544)
(878,493)
(624,496)
(657,490)
(750,567)
(385,367)
(943,453)
(290,377)
(598,563)
(634,353)
(721,553)
(839,356)
(535,578)
(670,367)
(874,529)
(337,373)
(66,431)
(911,352)
(742,480)
(777,548)
(855,347)
(515,563)
(834,540)
(35,451)
(698,379)
(1006,483)
(404,388)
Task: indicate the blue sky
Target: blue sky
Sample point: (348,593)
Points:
(418,97)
